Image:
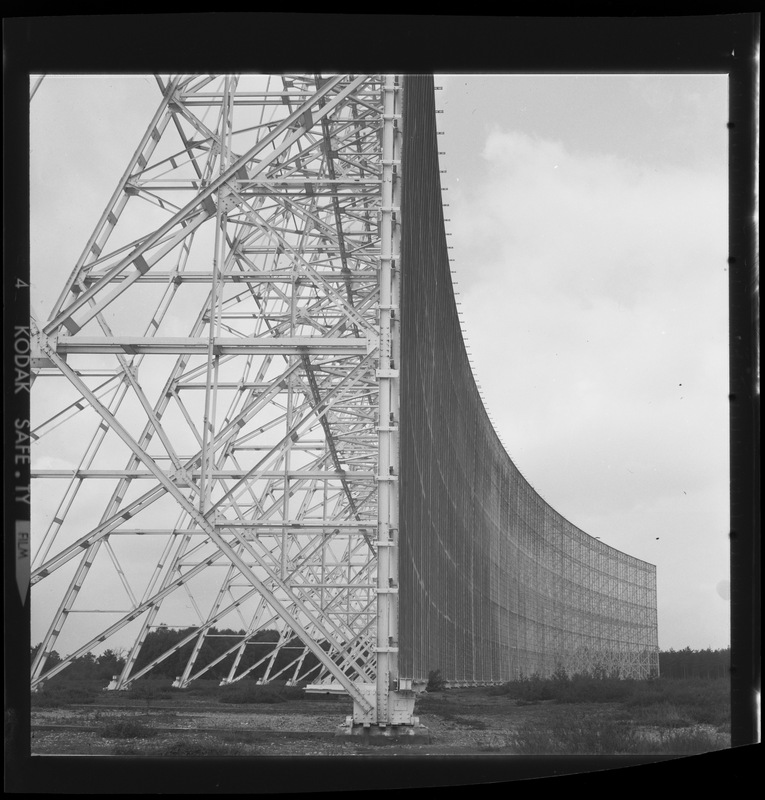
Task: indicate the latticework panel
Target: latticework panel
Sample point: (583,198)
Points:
(494,583)
(207,393)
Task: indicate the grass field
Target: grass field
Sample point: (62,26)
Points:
(564,716)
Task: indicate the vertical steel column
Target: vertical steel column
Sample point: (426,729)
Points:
(395,395)
(388,468)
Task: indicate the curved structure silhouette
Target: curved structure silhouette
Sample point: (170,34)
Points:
(494,582)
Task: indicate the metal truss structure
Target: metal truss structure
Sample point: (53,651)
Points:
(232,409)
(217,384)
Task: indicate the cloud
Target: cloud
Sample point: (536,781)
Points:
(594,294)
(587,226)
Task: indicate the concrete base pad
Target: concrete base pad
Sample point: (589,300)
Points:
(375,734)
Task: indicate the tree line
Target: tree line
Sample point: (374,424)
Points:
(685,663)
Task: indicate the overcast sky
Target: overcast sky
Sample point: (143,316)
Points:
(588,219)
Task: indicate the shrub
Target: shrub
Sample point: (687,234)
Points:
(696,700)
(241,693)
(573,735)
(689,742)
(589,689)
(56,695)
(149,690)
(201,688)
(436,683)
(46,700)
(560,675)
(578,688)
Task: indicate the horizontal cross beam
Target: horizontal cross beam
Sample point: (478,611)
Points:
(178,345)
(316,475)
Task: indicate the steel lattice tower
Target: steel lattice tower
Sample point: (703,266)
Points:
(224,356)
(253,411)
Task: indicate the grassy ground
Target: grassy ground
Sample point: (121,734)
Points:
(532,717)
(665,717)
